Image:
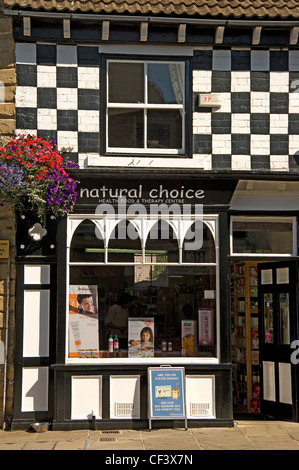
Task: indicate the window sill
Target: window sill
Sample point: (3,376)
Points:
(143,162)
(145,361)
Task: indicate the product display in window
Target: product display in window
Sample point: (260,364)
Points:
(141,337)
(144,277)
(163,311)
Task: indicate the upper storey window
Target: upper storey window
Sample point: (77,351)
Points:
(145,107)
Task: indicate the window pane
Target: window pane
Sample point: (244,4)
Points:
(262,237)
(172,295)
(87,243)
(125,128)
(165,83)
(162,244)
(164,129)
(124,244)
(284,318)
(126,82)
(206,253)
(268,318)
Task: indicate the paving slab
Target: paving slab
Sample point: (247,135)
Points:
(12,445)
(16,436)
(222,439)
(169,439)
(292,429)
(65,435)
(70,445)
(41,445)
(121,440)
(269,436)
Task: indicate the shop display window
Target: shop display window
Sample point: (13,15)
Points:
(141,298)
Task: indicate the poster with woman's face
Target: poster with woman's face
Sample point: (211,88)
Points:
(83,321)
(141,337)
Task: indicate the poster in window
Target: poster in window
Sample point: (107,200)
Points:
(205,327)
(141,337)
(83,321)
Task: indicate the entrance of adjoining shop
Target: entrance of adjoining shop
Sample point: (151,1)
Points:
(245,337)
(265,339)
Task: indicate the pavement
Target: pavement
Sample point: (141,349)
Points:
(175,444)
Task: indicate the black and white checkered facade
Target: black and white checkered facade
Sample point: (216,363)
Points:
(256,127)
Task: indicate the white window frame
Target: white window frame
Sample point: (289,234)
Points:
(212,223)
(292,220)
(145,106)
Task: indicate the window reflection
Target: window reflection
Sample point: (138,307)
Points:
(165,83)
(87,243)
(162,244)
(126,82)
(124,244)
(206,251)
(262,237)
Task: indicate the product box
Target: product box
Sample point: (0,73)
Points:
(205,327)
(189,328)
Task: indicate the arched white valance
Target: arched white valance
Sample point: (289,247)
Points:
(138,233)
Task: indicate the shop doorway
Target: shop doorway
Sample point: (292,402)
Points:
(245,338)
(278,333)
(265,338)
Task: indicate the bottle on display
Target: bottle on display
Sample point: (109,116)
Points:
(110,344)
(116,343)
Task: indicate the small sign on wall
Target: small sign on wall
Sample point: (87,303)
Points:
(209,100)
(4,249)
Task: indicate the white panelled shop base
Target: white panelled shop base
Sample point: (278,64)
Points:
(200,397)
(125,397)
(269,381)
(37,274)
(285,383)
(36,323)
(86,397)
(35,382)
(86,400)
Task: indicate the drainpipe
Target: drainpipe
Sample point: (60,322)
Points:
(6,339)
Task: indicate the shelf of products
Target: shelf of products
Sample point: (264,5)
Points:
(245,339)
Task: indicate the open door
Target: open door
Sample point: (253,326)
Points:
(278,320)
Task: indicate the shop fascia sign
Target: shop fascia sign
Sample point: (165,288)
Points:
(157,194)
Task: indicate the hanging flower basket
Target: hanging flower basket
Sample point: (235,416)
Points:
(32,169)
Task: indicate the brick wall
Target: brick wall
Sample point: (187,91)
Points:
(7,222)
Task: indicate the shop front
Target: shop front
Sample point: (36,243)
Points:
(158,272)
(137,278)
